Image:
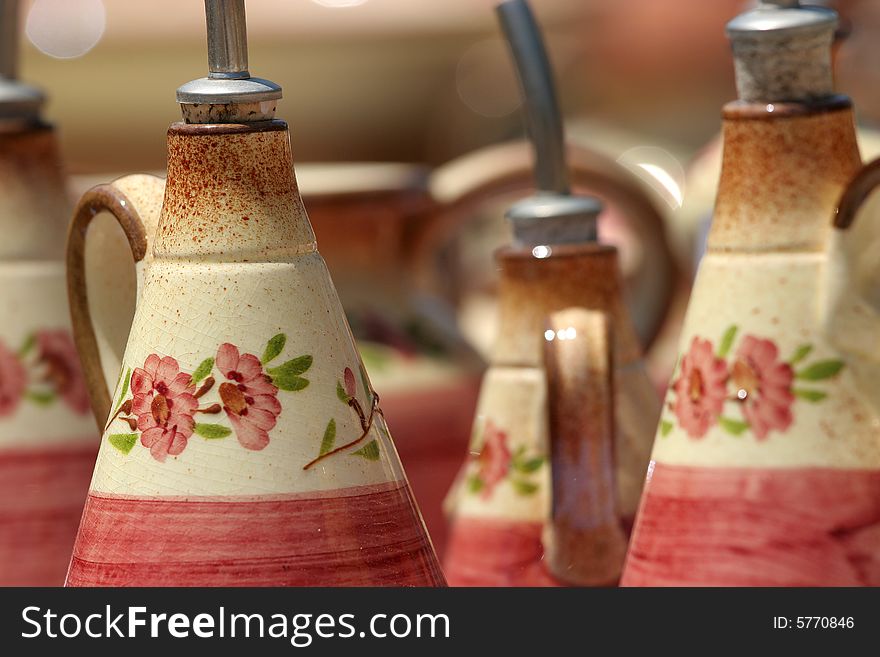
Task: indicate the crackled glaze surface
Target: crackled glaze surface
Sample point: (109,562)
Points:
(765,465)
(242,411)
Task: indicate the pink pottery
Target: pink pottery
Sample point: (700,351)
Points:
(563,427)
(47,441)
(766,464)
(243,444)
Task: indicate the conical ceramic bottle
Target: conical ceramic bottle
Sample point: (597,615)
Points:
(566,411)
(382,228)
(243,444)
(766,464)
(47,440)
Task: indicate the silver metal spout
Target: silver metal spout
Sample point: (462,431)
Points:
(553,215)
(228,94)
(18,101)
(227,39)
(9,39)
(543,118)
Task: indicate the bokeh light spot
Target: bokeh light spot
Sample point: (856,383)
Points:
(66,28)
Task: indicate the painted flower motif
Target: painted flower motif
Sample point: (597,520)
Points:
(57,353)
(494,459)
(763,384)
(700,389)
(164,404)
(13,380)
(249,398)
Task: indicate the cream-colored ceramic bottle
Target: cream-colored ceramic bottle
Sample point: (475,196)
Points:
(766,463)
(47,440)
(545,396)
(243,443)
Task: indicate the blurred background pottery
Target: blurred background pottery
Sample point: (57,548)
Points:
(562,433)
(243,444)
(703,173)
(766,464)
(47,441)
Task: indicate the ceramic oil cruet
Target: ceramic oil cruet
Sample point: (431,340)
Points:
(563,426)
(243,444)
(766,463)
(47,440)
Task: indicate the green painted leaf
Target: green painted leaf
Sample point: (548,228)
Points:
(528,465)
(475,484)
(370,451)
(290,383)
(733,427)
(800,353)
(203,370)
(27,345)
(274,347)
(40,398)
(810,395)
(340,392)
(329,437)
(823,369)
(727,341)
(124,442)
(126,382)
(211,431)
(287,376)
(665,428)
(523,487)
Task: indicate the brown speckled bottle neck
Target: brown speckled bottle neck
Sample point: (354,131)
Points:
(34,207)
(531,288)
(784,168)
(232,195)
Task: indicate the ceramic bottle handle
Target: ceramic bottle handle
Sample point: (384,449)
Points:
(584,544)
(134,201)
(856,193)
(464,186)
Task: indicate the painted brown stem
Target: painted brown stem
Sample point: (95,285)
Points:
(124,408)
(366,424)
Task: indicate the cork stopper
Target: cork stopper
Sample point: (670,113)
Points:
(229,94)
(554,215)
(18,101)
(782,52)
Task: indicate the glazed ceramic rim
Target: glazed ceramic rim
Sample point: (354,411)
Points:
(739,109)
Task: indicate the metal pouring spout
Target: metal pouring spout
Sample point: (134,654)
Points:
(228,94)
(18,101)
(553,215)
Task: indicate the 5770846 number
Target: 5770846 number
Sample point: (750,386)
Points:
(813,622)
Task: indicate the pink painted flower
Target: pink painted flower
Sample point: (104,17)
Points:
(58,354)
(494,459)
(13,381)
(763,384)
(250,400)
(164,405)
(700,389)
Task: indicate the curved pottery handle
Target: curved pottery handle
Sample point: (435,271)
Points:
(135,202)
(851,299)
(469,183)
(583,542)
